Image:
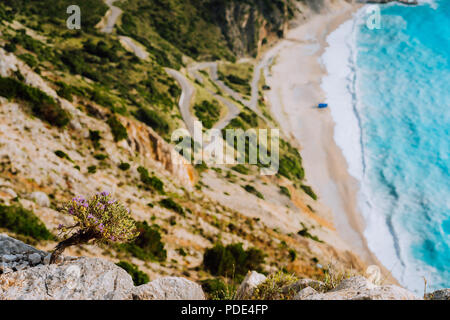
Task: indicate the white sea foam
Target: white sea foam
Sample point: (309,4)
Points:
(341,90)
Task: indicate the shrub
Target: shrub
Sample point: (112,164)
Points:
(252,189)
(101,157)
(285,191)
(65,91)
(152,182)
(309,191)
(95,137)
(139,277)
(92,169)
(272,288)
(42,105)
(291,168)
(117,129)
(153,120)
(216,289)
(148,245)
(241,169)
(124,166)
(29,60)
(100,218)
(292,255)
(232,260)
(168,203)
(23,222)
(306,234)
(63,155)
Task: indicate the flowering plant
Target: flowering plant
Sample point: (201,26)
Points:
(99,218)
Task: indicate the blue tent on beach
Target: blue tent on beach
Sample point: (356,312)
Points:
(323,105)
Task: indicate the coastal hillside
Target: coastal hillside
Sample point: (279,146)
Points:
(93,110)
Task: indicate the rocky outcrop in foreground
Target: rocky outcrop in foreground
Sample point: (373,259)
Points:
(26,275)
(355,288)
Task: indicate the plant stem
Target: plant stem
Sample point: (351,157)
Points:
(81,237)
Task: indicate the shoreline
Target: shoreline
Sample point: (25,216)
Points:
(296,79)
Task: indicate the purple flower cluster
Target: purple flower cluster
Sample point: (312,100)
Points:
(102,214)
(81,202)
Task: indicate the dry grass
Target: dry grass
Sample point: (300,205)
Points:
(272,288)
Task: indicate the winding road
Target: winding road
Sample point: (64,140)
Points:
(188,90)
(111,16)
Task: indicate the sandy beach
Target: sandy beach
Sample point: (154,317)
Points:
(295,77)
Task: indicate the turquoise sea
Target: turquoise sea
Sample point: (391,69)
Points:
(398,82)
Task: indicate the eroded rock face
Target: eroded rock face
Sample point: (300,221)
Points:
(81,279)
(251,281)
(169,288)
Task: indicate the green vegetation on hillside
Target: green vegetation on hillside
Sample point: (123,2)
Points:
(18,220)
(251,189)
(63,155)
(216,289)
(111,76)
(55,11)
(309,191)
(41,105)
(237,76)
(148,245)
(153,120)
(117,129)
(171,27)
(168,203)
(208,113)
(305,233)
(232,260)
(139,277)
(153,182)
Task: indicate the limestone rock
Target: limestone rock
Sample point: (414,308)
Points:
(40,198)
(10,192)
(251,281)
(11,246)
(305,283)
(8,258)
(359,288)
(82,279)
(35,258)
(304,293)
(169,288)
(443,294)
